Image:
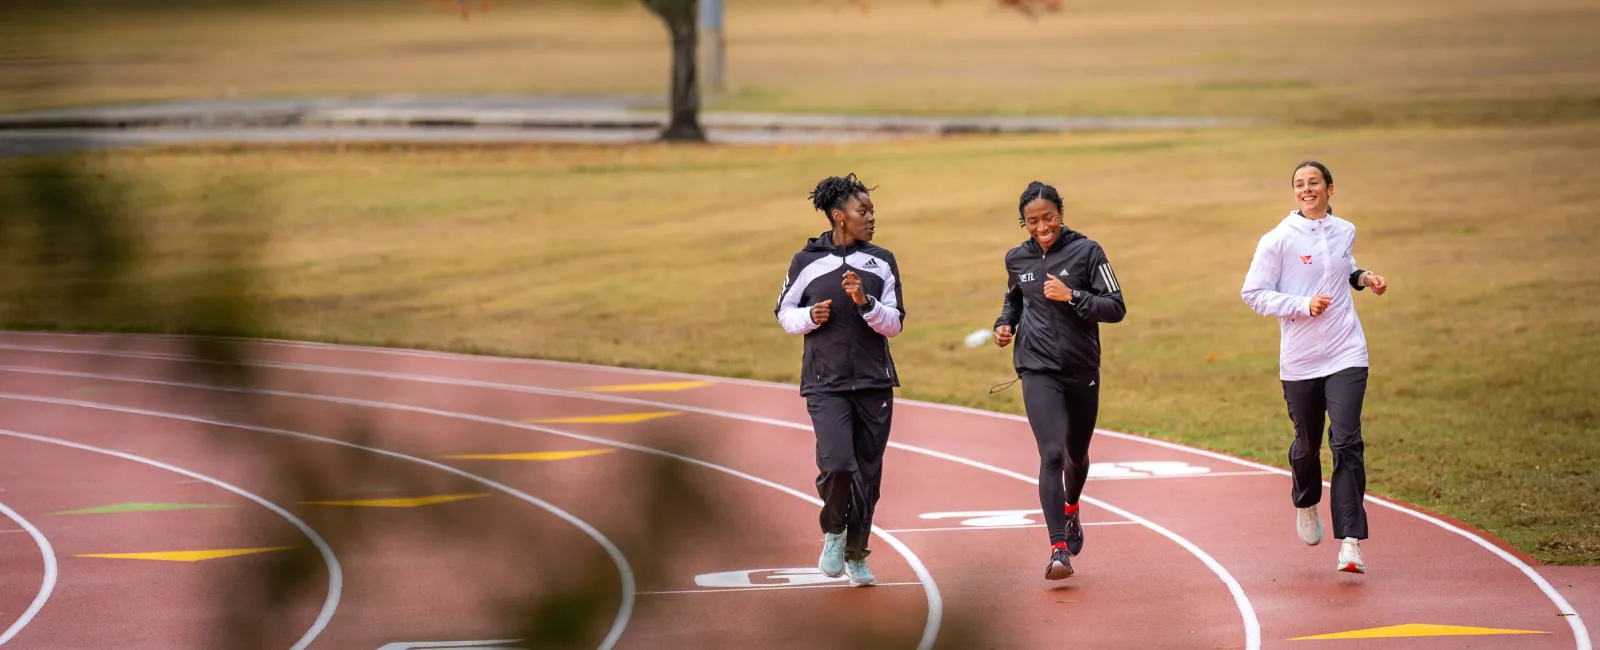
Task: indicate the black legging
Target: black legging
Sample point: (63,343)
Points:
(1062,412)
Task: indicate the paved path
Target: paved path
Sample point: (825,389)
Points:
(490,119)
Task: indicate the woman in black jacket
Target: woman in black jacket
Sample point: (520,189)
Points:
(1061,287)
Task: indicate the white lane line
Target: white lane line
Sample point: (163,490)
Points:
(335,575)
(714,591)
(1566,611)
(46,586)
(935,602)
(624,612)
(1574,621)
(935,530)
(1247,612)
(1166,476)
(1252,625)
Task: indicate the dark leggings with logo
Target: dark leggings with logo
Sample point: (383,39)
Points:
(1062,412)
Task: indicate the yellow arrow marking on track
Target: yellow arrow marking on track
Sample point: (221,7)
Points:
(621,418)
(187,556)
(1415,629)
(536,455)
(399,503)
(629,388)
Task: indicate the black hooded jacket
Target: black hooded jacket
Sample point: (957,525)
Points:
(1054,337)
(851,350)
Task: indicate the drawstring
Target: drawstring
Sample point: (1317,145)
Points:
(1000,387)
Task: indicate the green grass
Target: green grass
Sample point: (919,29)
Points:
(1482,405)
(1355,63)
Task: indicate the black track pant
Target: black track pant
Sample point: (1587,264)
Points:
(1062,412)
(852,433)
(1339,396)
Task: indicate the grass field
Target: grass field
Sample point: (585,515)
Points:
(1483,402)
(1351,63)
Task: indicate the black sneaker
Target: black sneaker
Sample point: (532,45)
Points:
(1060,565)
(1074,534)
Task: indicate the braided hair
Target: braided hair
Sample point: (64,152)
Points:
(1037,190)
(833,192)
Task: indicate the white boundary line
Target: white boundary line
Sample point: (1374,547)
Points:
(46,586)
(772,588)
(1252,625)
(624,610)
(1167,476)
(1574,620)
(935,602)
(335,575)
(1247,614)
(936,530)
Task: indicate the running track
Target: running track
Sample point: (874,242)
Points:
(1185,548)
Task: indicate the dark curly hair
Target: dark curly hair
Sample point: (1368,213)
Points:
(833,192)
(1037,190)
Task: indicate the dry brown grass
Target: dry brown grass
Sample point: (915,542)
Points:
(1369,61)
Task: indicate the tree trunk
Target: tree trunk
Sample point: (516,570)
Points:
(682,20)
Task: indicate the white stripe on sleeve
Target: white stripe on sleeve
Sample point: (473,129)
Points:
(796,318)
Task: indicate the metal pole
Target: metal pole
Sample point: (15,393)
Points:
(712,46)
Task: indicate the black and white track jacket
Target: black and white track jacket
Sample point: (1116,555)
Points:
(1056,337)
(851,350)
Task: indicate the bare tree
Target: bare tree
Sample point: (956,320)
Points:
(683,23)
(681,18)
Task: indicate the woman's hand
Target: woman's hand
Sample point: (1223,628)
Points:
(1055,289)
(852,286)
(1319,304)
(1002,335)
(1375,282)
(819,311)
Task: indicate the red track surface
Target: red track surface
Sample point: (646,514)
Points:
(1157,573)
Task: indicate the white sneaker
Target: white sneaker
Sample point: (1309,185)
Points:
(860,575)
(1309,525)
(831,561)
(1350,560)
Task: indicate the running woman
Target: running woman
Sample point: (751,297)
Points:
(843,293)
(1299,274)
(1061,287)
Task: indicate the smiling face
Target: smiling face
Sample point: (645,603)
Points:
(1043,221)
(857,218)
(1311,191)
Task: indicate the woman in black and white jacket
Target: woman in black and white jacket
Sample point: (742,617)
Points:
(1302,274)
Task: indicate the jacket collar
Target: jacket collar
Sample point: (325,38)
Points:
(824,243)
(1298,222)
(1067,235)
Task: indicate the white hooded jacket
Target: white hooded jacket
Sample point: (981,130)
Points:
(1295,261)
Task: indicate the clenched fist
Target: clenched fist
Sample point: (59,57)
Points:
(1002,335)
(1055,289)
(819,311)
(1319,304)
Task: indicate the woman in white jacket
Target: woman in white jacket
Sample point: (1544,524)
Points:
(1300,274)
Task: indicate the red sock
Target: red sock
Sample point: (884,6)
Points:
(1071,508)
(1060,545)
